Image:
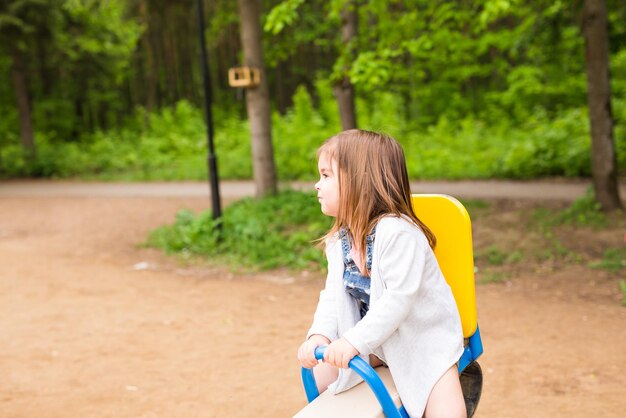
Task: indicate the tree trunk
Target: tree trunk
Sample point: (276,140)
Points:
(344,90)
(23,102)
(257,100)
(603,157)
(149,79)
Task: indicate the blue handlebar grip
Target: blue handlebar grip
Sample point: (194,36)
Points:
(319,352)
(368,374)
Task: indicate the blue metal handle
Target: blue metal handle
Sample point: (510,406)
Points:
(368,374)
(472,351)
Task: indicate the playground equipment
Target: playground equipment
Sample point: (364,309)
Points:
(451,224)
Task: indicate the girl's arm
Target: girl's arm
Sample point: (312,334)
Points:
(401,264)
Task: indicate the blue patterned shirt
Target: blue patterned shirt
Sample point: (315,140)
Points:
(357,285)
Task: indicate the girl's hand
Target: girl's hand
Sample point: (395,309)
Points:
(339,353)
(306,352)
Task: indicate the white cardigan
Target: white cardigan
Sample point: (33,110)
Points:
(412,324)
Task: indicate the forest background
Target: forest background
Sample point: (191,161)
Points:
(480,89)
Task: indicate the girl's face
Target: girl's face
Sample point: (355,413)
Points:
(328,186)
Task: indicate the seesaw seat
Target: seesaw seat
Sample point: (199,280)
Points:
(359,401)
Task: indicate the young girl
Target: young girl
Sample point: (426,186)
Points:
(385,297)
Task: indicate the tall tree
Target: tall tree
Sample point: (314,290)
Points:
(603,158)
(343,87)
(96,41)
(22,96)
(257,99)
(18,23)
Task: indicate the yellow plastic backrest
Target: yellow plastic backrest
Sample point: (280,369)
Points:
(451,224)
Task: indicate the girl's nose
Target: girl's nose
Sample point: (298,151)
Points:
(317,186)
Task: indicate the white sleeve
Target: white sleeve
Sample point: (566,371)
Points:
(325,318)
(401,266)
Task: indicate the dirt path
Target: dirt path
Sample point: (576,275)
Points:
(547,190)
(94,326)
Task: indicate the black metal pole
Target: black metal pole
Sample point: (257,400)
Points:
(211,159)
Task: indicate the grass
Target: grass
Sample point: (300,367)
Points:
(614,259)
(496,256)
(495,277)
(493,255)
(583,212)
(256,234)
(281,232)
(519,240)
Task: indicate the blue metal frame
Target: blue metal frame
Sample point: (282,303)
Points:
(368,374)
(472,351)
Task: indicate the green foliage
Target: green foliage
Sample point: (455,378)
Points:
(298,135)
(614,259)
(371,70)
(545,147)
(494,277)
(485,89)
(190,234)
(293,27)
(553,249)
(171,144)
(585,211)
(475,204)
(277,231)
(20,18)
(96,34)
(464,68)
(77,56)
(497,257)
(622,287)
(515,257)
(282,15)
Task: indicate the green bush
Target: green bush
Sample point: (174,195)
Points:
(171,144)
(545,147)
(297,135)
(276,231)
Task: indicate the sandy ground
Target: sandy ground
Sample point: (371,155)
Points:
(93,325)
(553,189)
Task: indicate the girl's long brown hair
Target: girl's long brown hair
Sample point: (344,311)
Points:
(373,182)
